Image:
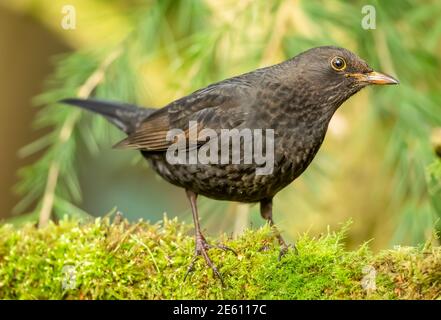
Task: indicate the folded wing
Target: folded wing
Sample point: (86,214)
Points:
(225,105)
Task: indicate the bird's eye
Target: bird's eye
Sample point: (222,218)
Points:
(338,63)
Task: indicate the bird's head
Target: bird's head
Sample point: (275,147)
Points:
(335,73)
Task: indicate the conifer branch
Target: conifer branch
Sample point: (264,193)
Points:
(65,133)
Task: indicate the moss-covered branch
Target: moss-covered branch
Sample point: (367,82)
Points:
(103,260)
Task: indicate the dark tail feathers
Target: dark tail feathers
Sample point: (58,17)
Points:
(126,117)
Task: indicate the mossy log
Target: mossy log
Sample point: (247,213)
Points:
(122,260)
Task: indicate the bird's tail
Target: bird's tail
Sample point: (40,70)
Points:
(126,117)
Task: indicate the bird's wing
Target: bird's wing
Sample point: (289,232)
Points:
(220,106)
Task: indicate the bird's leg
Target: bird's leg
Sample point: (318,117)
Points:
(266,211)
(201,244)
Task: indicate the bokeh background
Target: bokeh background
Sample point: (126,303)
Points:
(377,167)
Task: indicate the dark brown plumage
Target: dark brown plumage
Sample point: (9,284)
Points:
(295,98)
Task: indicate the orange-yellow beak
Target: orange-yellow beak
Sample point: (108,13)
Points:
(374,77)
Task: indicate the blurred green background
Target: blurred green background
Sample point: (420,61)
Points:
(377,166)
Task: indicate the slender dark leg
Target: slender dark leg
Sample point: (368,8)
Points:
(201,244)
(266,211)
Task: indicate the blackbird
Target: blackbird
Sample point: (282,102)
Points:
(294,99)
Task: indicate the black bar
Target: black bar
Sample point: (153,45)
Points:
(223,309)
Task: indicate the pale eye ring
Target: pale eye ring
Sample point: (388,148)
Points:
(338,63)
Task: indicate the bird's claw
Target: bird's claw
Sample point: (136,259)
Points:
(201,250)
(221,247)
(284,248)
(264,248)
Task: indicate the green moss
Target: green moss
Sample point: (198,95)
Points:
(103,260)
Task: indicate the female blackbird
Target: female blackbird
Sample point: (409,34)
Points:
(292,102)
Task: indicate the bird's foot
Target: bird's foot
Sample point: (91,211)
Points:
(221,247)
(284,248)
(202,247)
